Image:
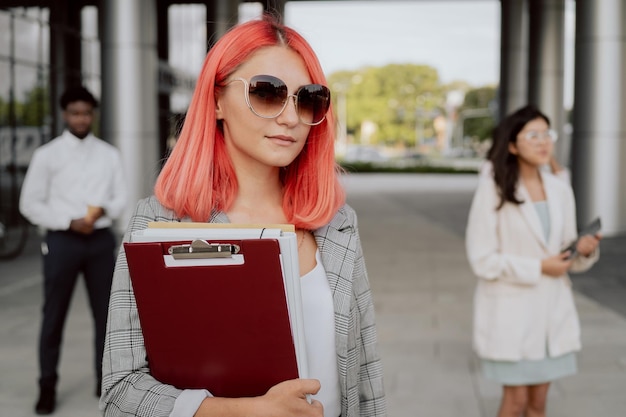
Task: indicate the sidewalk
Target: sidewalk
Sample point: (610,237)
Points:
(412,231)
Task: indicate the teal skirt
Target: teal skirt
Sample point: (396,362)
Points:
(529,372)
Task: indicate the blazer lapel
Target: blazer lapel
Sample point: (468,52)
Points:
(338,250)
(337,246)
(530,214)
(218,217)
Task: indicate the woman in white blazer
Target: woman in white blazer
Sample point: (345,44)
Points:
(526,328)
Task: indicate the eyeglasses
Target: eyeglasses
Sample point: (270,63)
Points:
(267,97)
(534,137)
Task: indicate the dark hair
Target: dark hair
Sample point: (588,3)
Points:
(505,164)
(78,93)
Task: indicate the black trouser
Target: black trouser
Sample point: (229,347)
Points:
(68,255)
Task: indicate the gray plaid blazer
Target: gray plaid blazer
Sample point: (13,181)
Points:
(130,390)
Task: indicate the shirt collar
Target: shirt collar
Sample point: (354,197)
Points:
(75,141)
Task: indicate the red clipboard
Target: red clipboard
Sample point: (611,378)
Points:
(224,328)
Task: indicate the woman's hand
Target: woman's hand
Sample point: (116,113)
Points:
(587,244)
(289,398)
(286,399)
(557,265)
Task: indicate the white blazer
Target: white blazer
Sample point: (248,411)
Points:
(519,313)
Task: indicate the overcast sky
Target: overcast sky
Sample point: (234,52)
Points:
(459,38)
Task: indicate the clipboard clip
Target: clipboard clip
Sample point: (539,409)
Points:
(201,249)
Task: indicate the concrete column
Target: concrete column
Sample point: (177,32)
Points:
(164,105)
(546,65)
(129,92)
(65,56)
(275,6)
(599,138)
(227,15)
(513,56)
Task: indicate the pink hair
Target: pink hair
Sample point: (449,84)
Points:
(198,176)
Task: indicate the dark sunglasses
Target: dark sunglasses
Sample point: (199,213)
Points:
(267,97)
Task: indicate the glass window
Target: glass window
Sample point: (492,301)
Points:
(5,34)
(26,39)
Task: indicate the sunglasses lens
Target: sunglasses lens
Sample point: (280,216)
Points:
(267,95)
(313,103)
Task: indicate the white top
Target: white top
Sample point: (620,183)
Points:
(319,329)
(66,175)
(544,216)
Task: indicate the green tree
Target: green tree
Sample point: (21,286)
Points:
(479,126)
(391,97)
(4,112)
(32,112)
(35,107)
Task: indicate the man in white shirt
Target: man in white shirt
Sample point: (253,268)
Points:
(73,189)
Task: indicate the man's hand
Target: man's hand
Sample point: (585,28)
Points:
(93,214)
(82,226)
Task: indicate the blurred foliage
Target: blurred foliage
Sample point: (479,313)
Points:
(32,112)
(4,112)
(480,128)
(399,100)
(390,97)
(36,107)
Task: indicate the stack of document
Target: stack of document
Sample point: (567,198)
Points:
(219,305)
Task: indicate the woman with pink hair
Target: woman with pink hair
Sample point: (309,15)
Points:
(257,147)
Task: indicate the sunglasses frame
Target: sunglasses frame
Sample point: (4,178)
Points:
(294,96)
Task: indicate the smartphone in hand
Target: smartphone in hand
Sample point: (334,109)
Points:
(591,229)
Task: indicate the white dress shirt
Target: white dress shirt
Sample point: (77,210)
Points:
(68,174)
